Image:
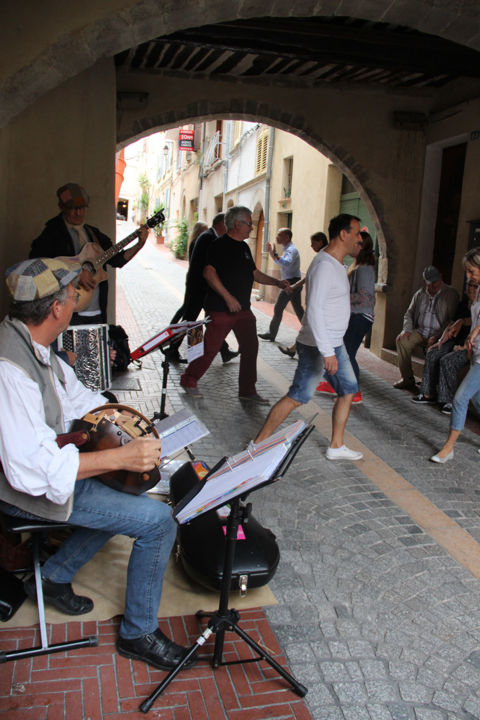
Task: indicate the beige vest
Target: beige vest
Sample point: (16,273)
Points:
(16,347)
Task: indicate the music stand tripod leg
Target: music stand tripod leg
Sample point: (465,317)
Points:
(166,368)
(148,702)
(224,619)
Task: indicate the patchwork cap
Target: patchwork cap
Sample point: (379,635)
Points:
(72,196)
(37,278)
(431,274)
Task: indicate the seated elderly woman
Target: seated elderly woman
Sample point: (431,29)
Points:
(446,358)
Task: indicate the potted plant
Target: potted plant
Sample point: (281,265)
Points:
(158,229)
(144,196)
(179,246)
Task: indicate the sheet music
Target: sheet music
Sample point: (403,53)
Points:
(179,430)
(241,472)
(165,336)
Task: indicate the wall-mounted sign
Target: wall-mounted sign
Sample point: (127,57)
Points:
(186,139)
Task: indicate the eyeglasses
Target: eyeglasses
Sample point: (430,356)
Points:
(250,224)
(75,297)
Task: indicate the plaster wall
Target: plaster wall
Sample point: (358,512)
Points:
(307,201)
(241,166)
(68,135)
(249,196)
(212,187)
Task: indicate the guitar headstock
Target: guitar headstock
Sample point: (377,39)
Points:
(156,219)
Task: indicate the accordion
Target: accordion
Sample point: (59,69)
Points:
(90,343)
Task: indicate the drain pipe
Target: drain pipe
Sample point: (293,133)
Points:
(227,164)
(266,215)
(200,175)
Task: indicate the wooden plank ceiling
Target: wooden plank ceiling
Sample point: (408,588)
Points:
(305,51)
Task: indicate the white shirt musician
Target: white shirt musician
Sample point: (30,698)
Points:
(39,396)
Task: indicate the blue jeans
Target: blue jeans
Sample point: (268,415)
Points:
(100,513)
(310,370)
(358,327)
(282,301)
(469,389)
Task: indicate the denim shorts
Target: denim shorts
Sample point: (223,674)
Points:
(310,371)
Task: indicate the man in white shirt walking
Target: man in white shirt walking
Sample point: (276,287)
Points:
(320,341)
(289,262)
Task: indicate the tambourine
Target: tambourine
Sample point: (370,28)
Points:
(113,425)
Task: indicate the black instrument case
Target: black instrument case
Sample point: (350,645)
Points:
(201,543)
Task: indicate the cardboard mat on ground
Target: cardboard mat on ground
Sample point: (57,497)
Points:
(103,579)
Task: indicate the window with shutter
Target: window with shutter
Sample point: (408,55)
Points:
(262,153)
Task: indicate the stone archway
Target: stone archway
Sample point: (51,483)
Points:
(54,47)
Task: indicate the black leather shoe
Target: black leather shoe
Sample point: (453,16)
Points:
(155,649)
(287,351)
(61,596)
(174,356)
(266,336)
(229,355)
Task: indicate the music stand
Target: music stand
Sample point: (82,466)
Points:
(228,619)
(164,341)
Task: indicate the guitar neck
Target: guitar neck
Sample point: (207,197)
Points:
(115,249)
(157,218)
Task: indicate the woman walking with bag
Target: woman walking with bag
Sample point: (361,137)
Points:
(362,299)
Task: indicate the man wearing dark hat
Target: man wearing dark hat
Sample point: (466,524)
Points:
(40,397)
(67,234)
(430,310)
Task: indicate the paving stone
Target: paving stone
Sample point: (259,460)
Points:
(352,693)
(472,706)
(356,713)
(399,711)
(334,671)
(447,701)
(414,692)
(427,714)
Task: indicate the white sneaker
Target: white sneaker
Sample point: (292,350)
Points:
(343,453)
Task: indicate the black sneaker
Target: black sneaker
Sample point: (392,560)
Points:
(446,409)
(422,399)
(287,351)
(229,355)
(61,596)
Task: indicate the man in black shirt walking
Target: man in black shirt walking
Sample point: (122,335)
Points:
(196,287)
(230,272)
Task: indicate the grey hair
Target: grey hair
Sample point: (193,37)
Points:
(34,312)
(472,257)
(235,213)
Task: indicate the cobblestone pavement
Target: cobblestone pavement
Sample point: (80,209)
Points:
(376,618)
